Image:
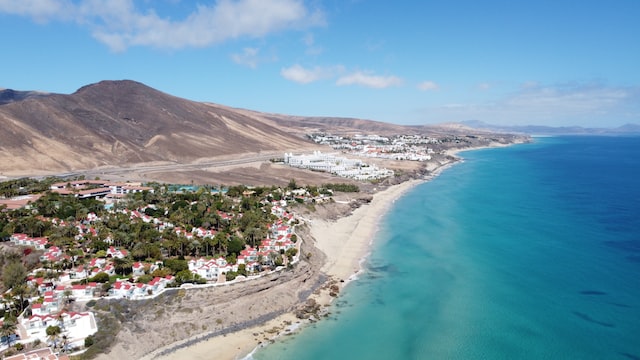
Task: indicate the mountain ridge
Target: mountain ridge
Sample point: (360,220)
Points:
(126,124)
(626,129)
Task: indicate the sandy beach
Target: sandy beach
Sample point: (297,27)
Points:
(345,242)
(232,321)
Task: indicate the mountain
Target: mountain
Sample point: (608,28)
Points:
(9,95)
(628,129)
(124,126)
(125,122)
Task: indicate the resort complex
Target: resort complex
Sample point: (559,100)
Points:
(82,241)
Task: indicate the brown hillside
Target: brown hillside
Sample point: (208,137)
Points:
(127,130)
(302,126)
(120,123)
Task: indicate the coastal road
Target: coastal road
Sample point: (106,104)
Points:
(164,167)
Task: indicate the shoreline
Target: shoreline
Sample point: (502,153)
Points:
(346,242)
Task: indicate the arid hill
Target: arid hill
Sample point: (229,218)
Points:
(129,130)
(8,96)
(122,123)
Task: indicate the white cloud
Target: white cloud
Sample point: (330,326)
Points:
(302,75)
(484,86)
(119,25)
(249,57)
(583,104)
(312,49)
(39,10)
(573,98)
(299,74)
(428,86)
(372,81)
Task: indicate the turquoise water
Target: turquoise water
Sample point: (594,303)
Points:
(526,252)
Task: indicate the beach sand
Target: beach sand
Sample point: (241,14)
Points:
(345,242)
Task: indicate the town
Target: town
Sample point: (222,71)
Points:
(68,243)
(400,147)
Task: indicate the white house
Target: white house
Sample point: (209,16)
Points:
(38,243)
(116,253)
(75,325)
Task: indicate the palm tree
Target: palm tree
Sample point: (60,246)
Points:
(201,207)
(66,295)
(221,240)
(121,238)
(53,334)
(81,213)
(208,241)
(194,247)
(183,242)
(170,241)
(122,265)
(7,330)
(20,291)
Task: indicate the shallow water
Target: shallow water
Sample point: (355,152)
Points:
(527,252)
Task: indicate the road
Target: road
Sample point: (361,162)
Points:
(145,168)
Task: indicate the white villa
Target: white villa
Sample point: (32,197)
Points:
(76,326)
(39,243)
(210,269)
(129,290)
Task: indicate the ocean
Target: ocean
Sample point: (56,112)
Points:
(525,252)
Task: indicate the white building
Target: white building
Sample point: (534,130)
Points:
(351,168)
(76,326)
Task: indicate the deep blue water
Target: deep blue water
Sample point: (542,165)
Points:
(525,252)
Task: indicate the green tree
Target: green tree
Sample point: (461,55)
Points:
(186,276)
(278,260)
(66,297)
(176,265)
(235,245)
(144,278)
(14,273)
(7,330)
(209,243)
(88,341)
(236,191)
(19,291)
(231,275)
(101,277)
(123,265)
(291,252)
(53,334)
(242,269)
(221,241)
(170,241)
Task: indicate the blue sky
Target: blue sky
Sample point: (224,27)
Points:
(539,62)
